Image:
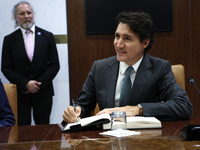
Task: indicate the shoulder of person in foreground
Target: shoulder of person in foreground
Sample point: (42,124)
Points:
(6,114)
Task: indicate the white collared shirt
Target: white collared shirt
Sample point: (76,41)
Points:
(122,69)
(32,33)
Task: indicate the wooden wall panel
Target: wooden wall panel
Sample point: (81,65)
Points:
(195,50)
(179,46)
(83,49)
(175,46)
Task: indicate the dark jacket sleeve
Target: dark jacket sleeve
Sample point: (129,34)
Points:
(53,64)
(87,97)
(6,114)
(174,102)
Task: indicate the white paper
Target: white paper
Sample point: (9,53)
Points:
(120,133)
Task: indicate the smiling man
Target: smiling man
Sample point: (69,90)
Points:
(30,60)
(132,81)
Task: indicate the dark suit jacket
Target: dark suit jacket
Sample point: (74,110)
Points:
(6,114)
(155,88)
(17,67)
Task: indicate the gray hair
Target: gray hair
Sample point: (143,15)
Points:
(14,11)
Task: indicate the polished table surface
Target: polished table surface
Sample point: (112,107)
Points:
(50,137)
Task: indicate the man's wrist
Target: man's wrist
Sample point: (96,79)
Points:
(140,109)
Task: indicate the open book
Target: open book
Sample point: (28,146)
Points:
(136,122)
(88,121)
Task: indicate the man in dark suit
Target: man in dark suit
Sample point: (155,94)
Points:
(153,89)
(6,114)
(33,74)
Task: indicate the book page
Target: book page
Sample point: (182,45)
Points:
(143,122)
(138,122)
(86,121)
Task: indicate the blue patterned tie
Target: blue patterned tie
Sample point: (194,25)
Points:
(126,88)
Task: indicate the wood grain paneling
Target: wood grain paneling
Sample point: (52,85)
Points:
(195,51)
(179,46)
(83,49)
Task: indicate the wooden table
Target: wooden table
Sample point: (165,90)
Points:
(50,137)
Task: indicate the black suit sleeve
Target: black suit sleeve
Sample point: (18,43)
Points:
(87,97)
(8,65)
(53,65)
(175,104)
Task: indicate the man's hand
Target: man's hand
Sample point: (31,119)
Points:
(130,110)
(33,86)
(70,115)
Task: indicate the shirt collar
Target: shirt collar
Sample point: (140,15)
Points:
(123,66)
(24,30)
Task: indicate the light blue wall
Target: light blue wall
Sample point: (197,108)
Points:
(50,15)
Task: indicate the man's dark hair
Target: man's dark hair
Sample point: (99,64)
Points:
(140,23)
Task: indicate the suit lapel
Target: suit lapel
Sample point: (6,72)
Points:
(37,39)
(21,44)
(141,79)
(111,79)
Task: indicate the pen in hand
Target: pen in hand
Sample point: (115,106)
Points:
(77,120)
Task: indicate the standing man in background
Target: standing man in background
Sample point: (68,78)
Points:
(30,60)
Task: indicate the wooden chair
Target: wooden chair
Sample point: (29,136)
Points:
(11,92)
(179,73)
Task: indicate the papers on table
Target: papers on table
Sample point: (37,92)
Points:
(120,133)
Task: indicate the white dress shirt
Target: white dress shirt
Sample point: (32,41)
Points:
(32,33)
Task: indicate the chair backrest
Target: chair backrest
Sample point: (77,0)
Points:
(11,92)
(179,73)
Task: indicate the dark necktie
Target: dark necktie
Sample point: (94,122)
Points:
(29,44)
(126,88)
